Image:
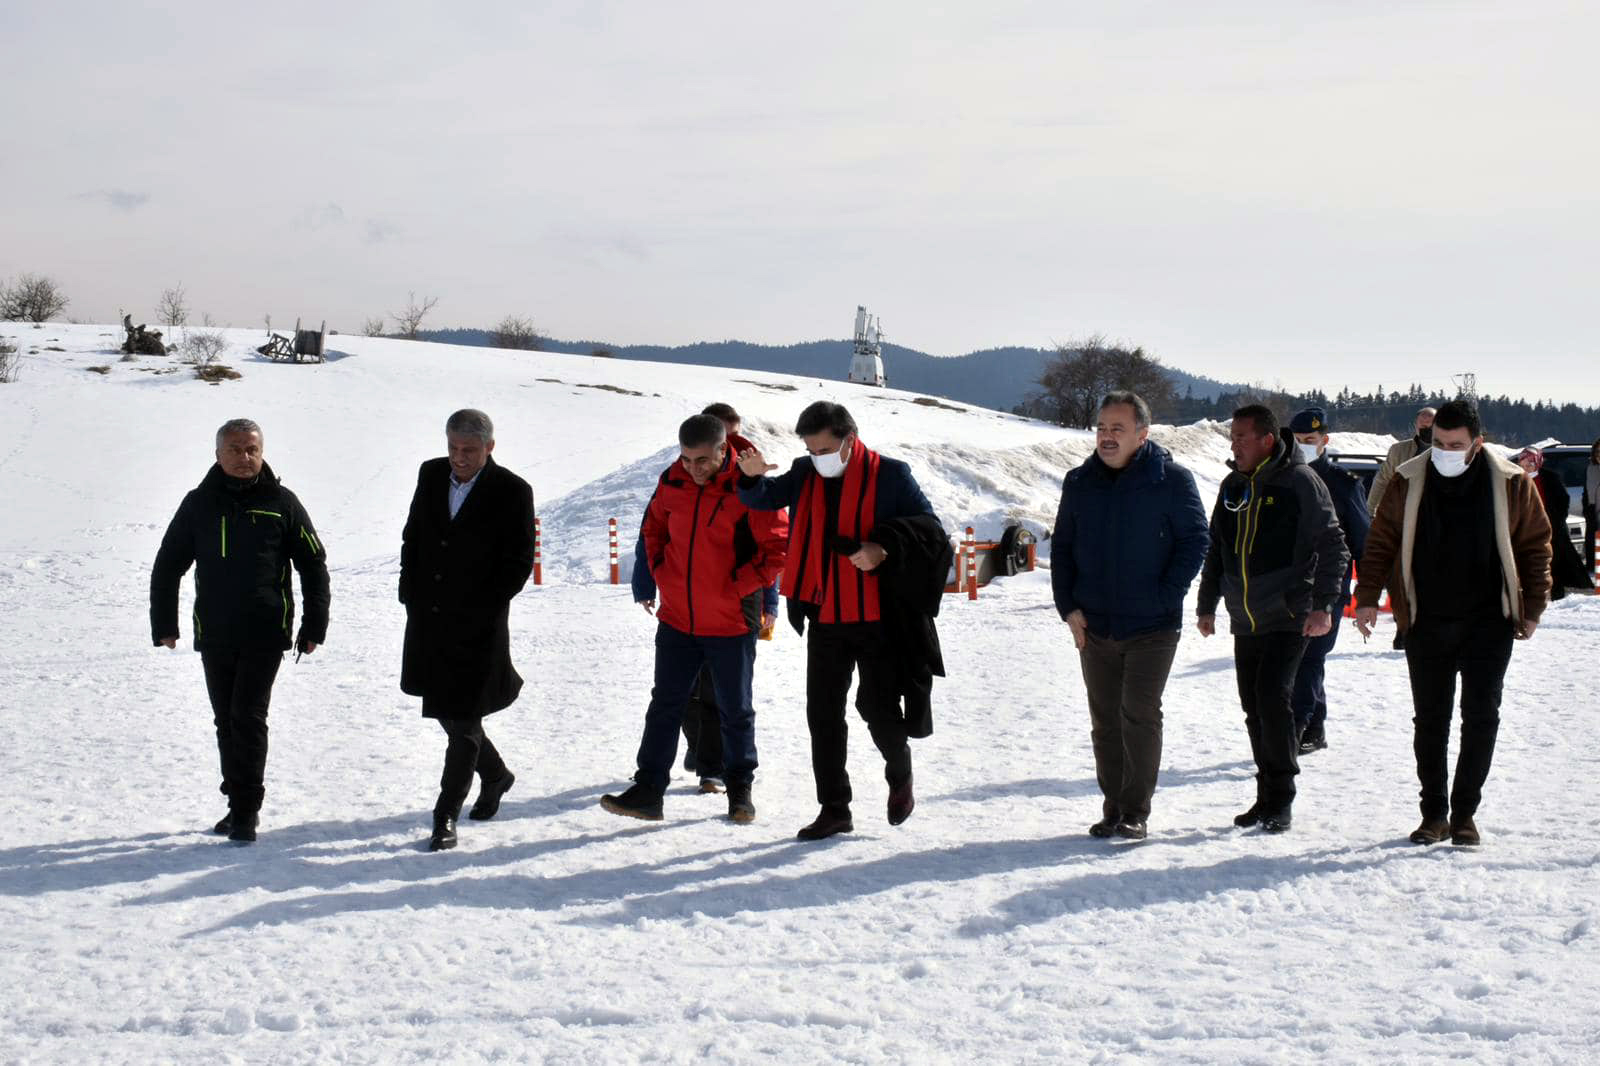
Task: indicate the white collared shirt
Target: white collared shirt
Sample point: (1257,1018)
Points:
(459,490)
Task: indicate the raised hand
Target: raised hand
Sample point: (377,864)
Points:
(753,464)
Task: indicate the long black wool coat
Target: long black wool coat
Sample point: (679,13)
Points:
(457,579)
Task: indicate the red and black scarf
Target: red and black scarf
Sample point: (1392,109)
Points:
(815,572)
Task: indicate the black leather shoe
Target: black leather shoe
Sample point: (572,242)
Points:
(1130,829)
(1104,827)
(637,802)
(1246,819)
(444,833)
(224,826)
(902,801)
(740,807)
(242,827)
(829,821)
(1313,739)
(489,794)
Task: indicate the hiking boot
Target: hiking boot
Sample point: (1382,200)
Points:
(224,826)
(830,820)
(1313,739)
(901,802)
(1277,821)
(710,786)
(242,827)
(740,807)
(1131,829)
(1463,832)
(489,794)
(1246,819)
(444,833)
(637,802)
(1431,831)
(1104,827)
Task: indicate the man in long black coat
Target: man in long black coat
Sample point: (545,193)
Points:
(241,530)
(466,551)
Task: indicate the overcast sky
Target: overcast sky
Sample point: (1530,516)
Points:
(1296,193)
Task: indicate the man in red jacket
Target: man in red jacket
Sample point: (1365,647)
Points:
(711,557)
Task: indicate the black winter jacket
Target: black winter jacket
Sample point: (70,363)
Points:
(912,581)
(1277,551)
(241,540)
(457,578)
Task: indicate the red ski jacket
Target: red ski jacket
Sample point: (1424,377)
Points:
(711,555)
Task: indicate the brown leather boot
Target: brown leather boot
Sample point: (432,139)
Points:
(1463,832)
(1431,831)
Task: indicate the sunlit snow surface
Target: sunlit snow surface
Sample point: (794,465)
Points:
(988,928)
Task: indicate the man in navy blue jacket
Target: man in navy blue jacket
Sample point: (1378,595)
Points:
(1130,536)
(1310,699)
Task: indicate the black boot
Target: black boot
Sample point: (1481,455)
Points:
(901,802)
(1104,827)
(637,802)
(1277,821)
(1246,819)
(489,794)
(1313,739)
(224,825)
(444,833)
(740,807)
(1132,829)
(242,827)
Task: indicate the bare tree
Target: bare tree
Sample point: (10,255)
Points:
(31,298)
(373,327)
(173,307)
(9,361)
(517,332)
(1075,381)
(409,321)
(203,347)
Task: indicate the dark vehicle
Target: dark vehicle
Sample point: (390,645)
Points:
(1569,461)
(1361,465)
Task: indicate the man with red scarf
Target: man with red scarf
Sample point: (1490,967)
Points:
(859,524)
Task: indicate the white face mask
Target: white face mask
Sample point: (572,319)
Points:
(1308,452)
(1449,464)
(829,465)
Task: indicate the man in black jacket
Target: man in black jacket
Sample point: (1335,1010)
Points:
(1277,556)
(467,549)
(1310,700)
(241,530)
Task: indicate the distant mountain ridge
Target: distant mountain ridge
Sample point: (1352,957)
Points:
(999,378)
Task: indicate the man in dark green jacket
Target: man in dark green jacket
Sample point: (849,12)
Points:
(241,530)
(1277,556)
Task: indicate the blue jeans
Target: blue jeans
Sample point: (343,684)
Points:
(1310,698)
(679,657)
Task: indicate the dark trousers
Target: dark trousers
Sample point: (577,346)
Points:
(1436,651)
(1310,699)
(702,729)
(833,654)
(1125,679)
(469,751)
(679,659)
(1266,665)
(239,683)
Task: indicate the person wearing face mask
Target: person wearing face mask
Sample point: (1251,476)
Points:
(1566,567)
(1463,544)
(710,557)
(1129,537)
(465,552)
(1277,558)
(1310,700)
(1400,452)
(866,567)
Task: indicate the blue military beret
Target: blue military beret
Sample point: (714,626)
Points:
(1311,420)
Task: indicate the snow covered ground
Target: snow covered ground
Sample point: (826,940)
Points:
(987,928)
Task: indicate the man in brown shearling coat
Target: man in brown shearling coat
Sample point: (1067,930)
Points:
(1464,541)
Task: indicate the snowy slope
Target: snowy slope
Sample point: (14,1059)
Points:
(988,927)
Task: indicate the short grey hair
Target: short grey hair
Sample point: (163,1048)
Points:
(1141,410)
(469,422)
(240,425)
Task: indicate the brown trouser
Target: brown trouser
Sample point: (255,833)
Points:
(1125,679)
